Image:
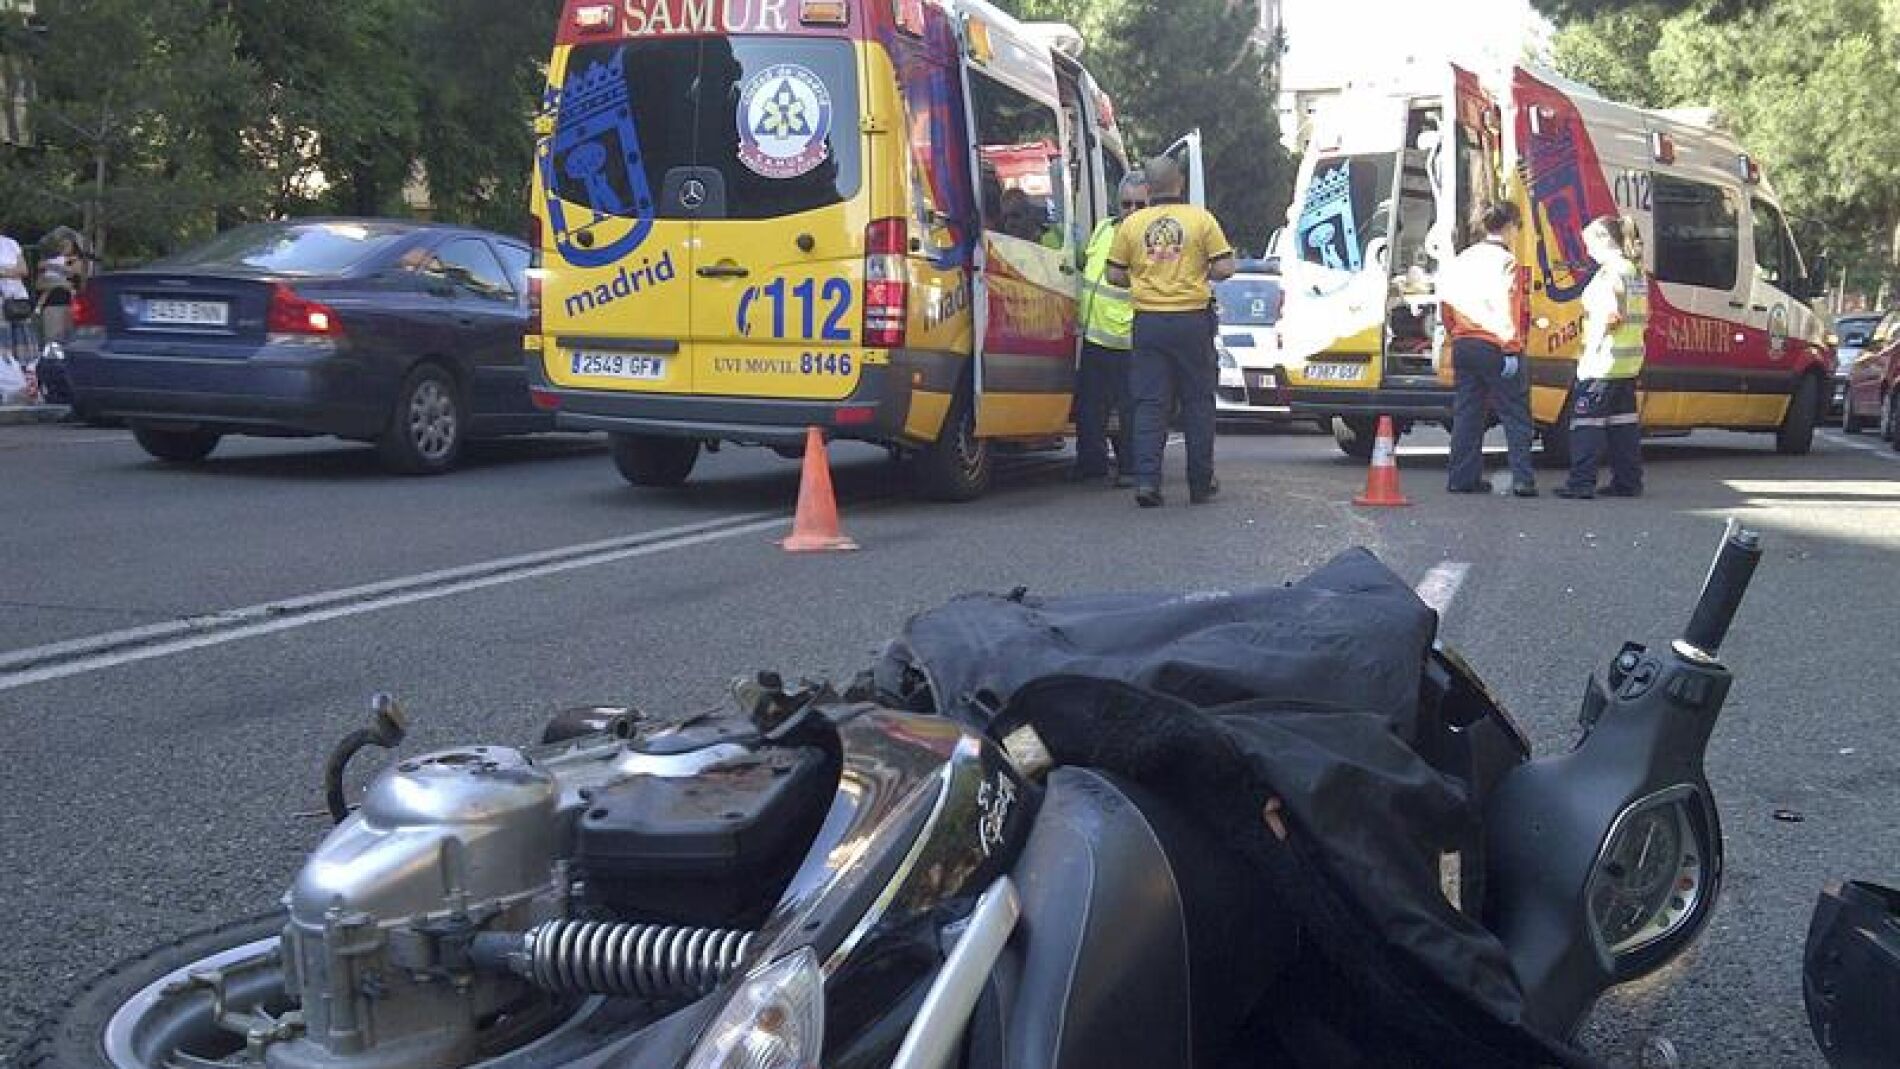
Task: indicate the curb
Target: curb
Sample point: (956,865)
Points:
(19,414)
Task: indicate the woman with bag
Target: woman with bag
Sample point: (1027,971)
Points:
(14,300)
(61,274)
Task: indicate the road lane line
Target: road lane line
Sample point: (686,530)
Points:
(1440,585)
(57,661)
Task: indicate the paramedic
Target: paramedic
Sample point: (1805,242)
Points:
(1167,255)
(1603,414)
(1484,309)
(1107,328)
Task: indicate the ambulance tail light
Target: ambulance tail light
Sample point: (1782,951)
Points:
(594,19)
(824,12)
(292,313)
(1662,147)
(886,283)
(534,276)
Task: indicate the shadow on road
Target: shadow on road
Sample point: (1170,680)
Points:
(352,462)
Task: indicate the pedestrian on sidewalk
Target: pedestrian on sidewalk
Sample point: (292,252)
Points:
(15,303)
(1108,323)
(1168,255)
(1603,416)
(62,272)
(1484,300)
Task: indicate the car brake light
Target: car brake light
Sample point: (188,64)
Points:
(293,314)
(89,307)
(886,283)
(534,276)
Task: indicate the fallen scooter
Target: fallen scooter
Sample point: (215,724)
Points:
(1103,832)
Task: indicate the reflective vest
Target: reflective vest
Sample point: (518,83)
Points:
(1108,315)
(1626,341)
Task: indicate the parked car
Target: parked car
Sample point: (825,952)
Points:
(1252,383)
(404,334)
(1849,337)
(1872,387)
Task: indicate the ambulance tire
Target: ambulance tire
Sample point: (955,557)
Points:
(653,459)
(1796,435)
(1355,435)
(958,465)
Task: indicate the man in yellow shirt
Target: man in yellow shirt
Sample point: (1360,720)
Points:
(1168,255)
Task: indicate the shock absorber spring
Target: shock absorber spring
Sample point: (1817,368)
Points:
(628,960)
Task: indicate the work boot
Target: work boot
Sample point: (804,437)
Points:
(1149,497)
(1524,490)
(1201,495)
(1576,493)
(1620,491)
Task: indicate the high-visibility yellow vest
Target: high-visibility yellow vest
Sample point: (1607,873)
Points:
(1626,340)
(1108,315)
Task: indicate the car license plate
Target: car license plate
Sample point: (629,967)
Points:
(187,313)
(620,365)
(1333,372)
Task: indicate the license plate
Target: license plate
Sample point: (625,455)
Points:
(1333,372)
(620,365)
(188,313)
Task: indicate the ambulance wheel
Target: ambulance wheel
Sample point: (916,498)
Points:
(1796,435)
(653,460)
(179,447)
(958,465)
(1355,435)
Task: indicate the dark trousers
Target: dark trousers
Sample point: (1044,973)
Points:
(1173,359)
(1603,420)
(1101,388)
(1481,382)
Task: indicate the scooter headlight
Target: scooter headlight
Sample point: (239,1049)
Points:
(775,1020)
(1652,877)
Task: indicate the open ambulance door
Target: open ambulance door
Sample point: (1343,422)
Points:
(1187,153)
(1467,172)
(1025,279)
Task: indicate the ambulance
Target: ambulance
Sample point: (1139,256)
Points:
(1389,181)
(867,216)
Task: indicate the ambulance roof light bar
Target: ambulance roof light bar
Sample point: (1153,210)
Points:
(909,15)
(1662,147)
(594,18)
(824,12)
(1747,168)
(1059,36)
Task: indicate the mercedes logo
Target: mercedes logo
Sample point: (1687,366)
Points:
(692,193)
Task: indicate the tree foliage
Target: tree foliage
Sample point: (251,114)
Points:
(1564,11)
(160,120)
(1809,86)
(1176,66)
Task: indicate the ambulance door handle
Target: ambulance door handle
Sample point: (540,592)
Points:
(723,269)
(1761,308)
(1738,304)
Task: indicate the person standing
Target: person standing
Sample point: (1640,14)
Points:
(61,273)
(1603,416)
(1108,323)
(1484,299)
(15,302)
(1168,254)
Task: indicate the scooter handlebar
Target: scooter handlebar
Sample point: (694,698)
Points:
(1723,589)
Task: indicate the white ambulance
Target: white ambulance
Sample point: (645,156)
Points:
(1389,180)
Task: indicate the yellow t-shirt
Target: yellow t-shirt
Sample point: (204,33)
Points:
(1166,249)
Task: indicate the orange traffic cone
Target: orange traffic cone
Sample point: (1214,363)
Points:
(1382,479)
(815,526)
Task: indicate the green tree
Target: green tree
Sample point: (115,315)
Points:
(1611,51)
(1175,67)
(1565,11)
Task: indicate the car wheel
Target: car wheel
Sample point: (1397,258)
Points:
(1851,422)
(1893,419)
(1796,435)
(427,430)
(958,465)
(179,447)
(653,460)
(1355,436)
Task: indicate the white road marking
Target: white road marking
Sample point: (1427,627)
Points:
(61,660)
(1440,585)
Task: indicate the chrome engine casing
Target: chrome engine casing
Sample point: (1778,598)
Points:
(376,937)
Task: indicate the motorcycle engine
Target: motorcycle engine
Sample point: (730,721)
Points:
(380,916)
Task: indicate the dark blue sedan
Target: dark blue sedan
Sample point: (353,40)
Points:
(403,334)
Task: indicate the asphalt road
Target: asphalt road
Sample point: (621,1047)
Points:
(151,794)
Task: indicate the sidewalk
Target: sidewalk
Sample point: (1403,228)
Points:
(16,414)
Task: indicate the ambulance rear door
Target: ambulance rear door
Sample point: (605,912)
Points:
(1026,275)
(1186,151)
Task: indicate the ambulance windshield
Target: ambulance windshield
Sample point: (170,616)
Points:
(1347,211)
(738,127)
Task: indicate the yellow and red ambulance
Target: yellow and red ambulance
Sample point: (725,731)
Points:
(758,216)
(1384,190)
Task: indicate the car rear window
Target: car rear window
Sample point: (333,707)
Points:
(316,248)
(768,126)
(1248,302)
